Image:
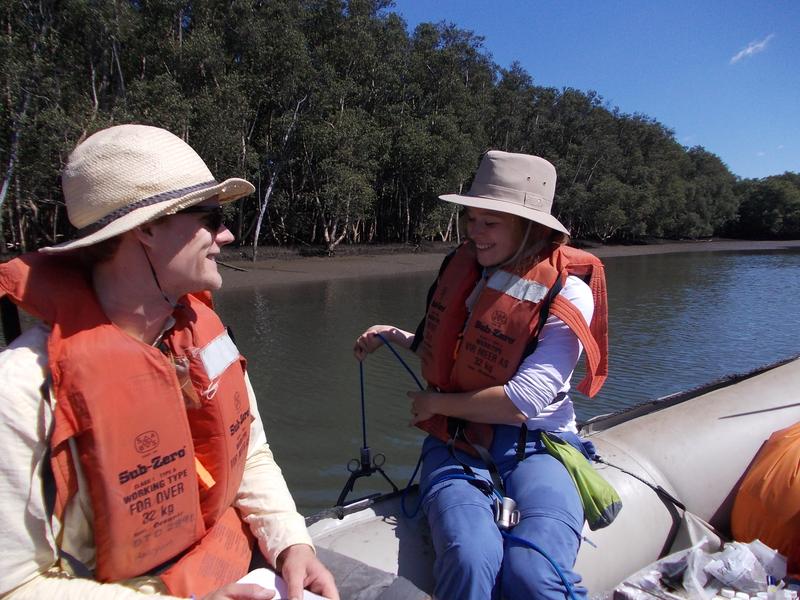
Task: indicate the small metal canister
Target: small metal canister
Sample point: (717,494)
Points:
(506,514)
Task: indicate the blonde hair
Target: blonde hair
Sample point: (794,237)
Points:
(535,239)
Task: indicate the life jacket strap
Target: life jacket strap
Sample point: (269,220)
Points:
(544,313)
(455,428)
(522,442)
(52,501)
(597,362)
(65,478)
(459,433)
(60,476)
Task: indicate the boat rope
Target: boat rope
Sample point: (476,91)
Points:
(484,485)
(487,487)
(402,362)
(662,493)
(366,465)
(363,406)
(522,541)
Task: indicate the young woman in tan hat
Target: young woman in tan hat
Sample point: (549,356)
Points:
(507,318)
(134,454)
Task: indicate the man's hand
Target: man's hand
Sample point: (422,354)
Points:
(300,568)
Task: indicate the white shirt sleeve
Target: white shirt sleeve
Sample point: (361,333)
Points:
(547,371)
(27,539)
(264,500)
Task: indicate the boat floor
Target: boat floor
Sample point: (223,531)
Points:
(382,537)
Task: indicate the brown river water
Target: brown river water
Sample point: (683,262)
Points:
(677,321)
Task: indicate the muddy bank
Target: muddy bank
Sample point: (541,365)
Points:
(282,270)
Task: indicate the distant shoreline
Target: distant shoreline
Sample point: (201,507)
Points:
(299,269)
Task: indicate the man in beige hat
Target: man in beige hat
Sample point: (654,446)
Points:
(135,457)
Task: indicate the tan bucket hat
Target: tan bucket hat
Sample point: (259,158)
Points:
(519,184)
(127,175)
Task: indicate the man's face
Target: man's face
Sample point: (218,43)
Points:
(185,249)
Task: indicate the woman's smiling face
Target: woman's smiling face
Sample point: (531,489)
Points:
(497,236)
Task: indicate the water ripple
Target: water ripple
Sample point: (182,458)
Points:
(676,321)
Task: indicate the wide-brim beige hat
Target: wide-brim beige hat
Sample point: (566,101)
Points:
(128,175)
(518,184)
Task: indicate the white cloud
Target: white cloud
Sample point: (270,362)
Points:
(752,48)
(780,146)
(761,153)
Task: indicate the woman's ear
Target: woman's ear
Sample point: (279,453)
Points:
(144,234)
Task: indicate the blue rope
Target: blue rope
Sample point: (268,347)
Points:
(443,477)
(363,407)
(402,362)
(508,536)
(532,546)
(404,496)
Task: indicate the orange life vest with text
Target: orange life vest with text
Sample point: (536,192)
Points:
(163,461)
(465,350)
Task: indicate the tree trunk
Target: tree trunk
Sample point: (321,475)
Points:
(16,134)
(331,241)
(19,219)
(331,229)
(449,231)
(120,75)
(591,172)
(274,177)
(407,228)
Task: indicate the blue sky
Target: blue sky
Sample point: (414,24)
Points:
(721,74)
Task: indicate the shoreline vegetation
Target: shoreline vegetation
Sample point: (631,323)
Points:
(348,124)
(282,267)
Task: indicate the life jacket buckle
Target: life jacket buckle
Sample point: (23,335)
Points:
(506,514)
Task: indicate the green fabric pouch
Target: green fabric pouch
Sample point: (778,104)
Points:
(601,503)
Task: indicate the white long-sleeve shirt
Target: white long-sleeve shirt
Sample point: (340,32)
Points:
(29,555)
(547,371)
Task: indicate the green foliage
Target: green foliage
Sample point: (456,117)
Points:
(348,124)
(770,207)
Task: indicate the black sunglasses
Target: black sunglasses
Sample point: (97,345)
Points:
(212,218)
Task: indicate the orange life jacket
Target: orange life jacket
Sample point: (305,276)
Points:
(466,350)
(766,502)
(162,464)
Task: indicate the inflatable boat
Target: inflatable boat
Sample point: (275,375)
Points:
(675,461)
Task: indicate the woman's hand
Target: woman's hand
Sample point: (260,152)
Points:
(422,403)
(369,341)
(490,405)
(300,568)
(240,591)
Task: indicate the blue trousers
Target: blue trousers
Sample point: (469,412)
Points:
(473,561)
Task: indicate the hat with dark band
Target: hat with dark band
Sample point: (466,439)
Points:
(128,175)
